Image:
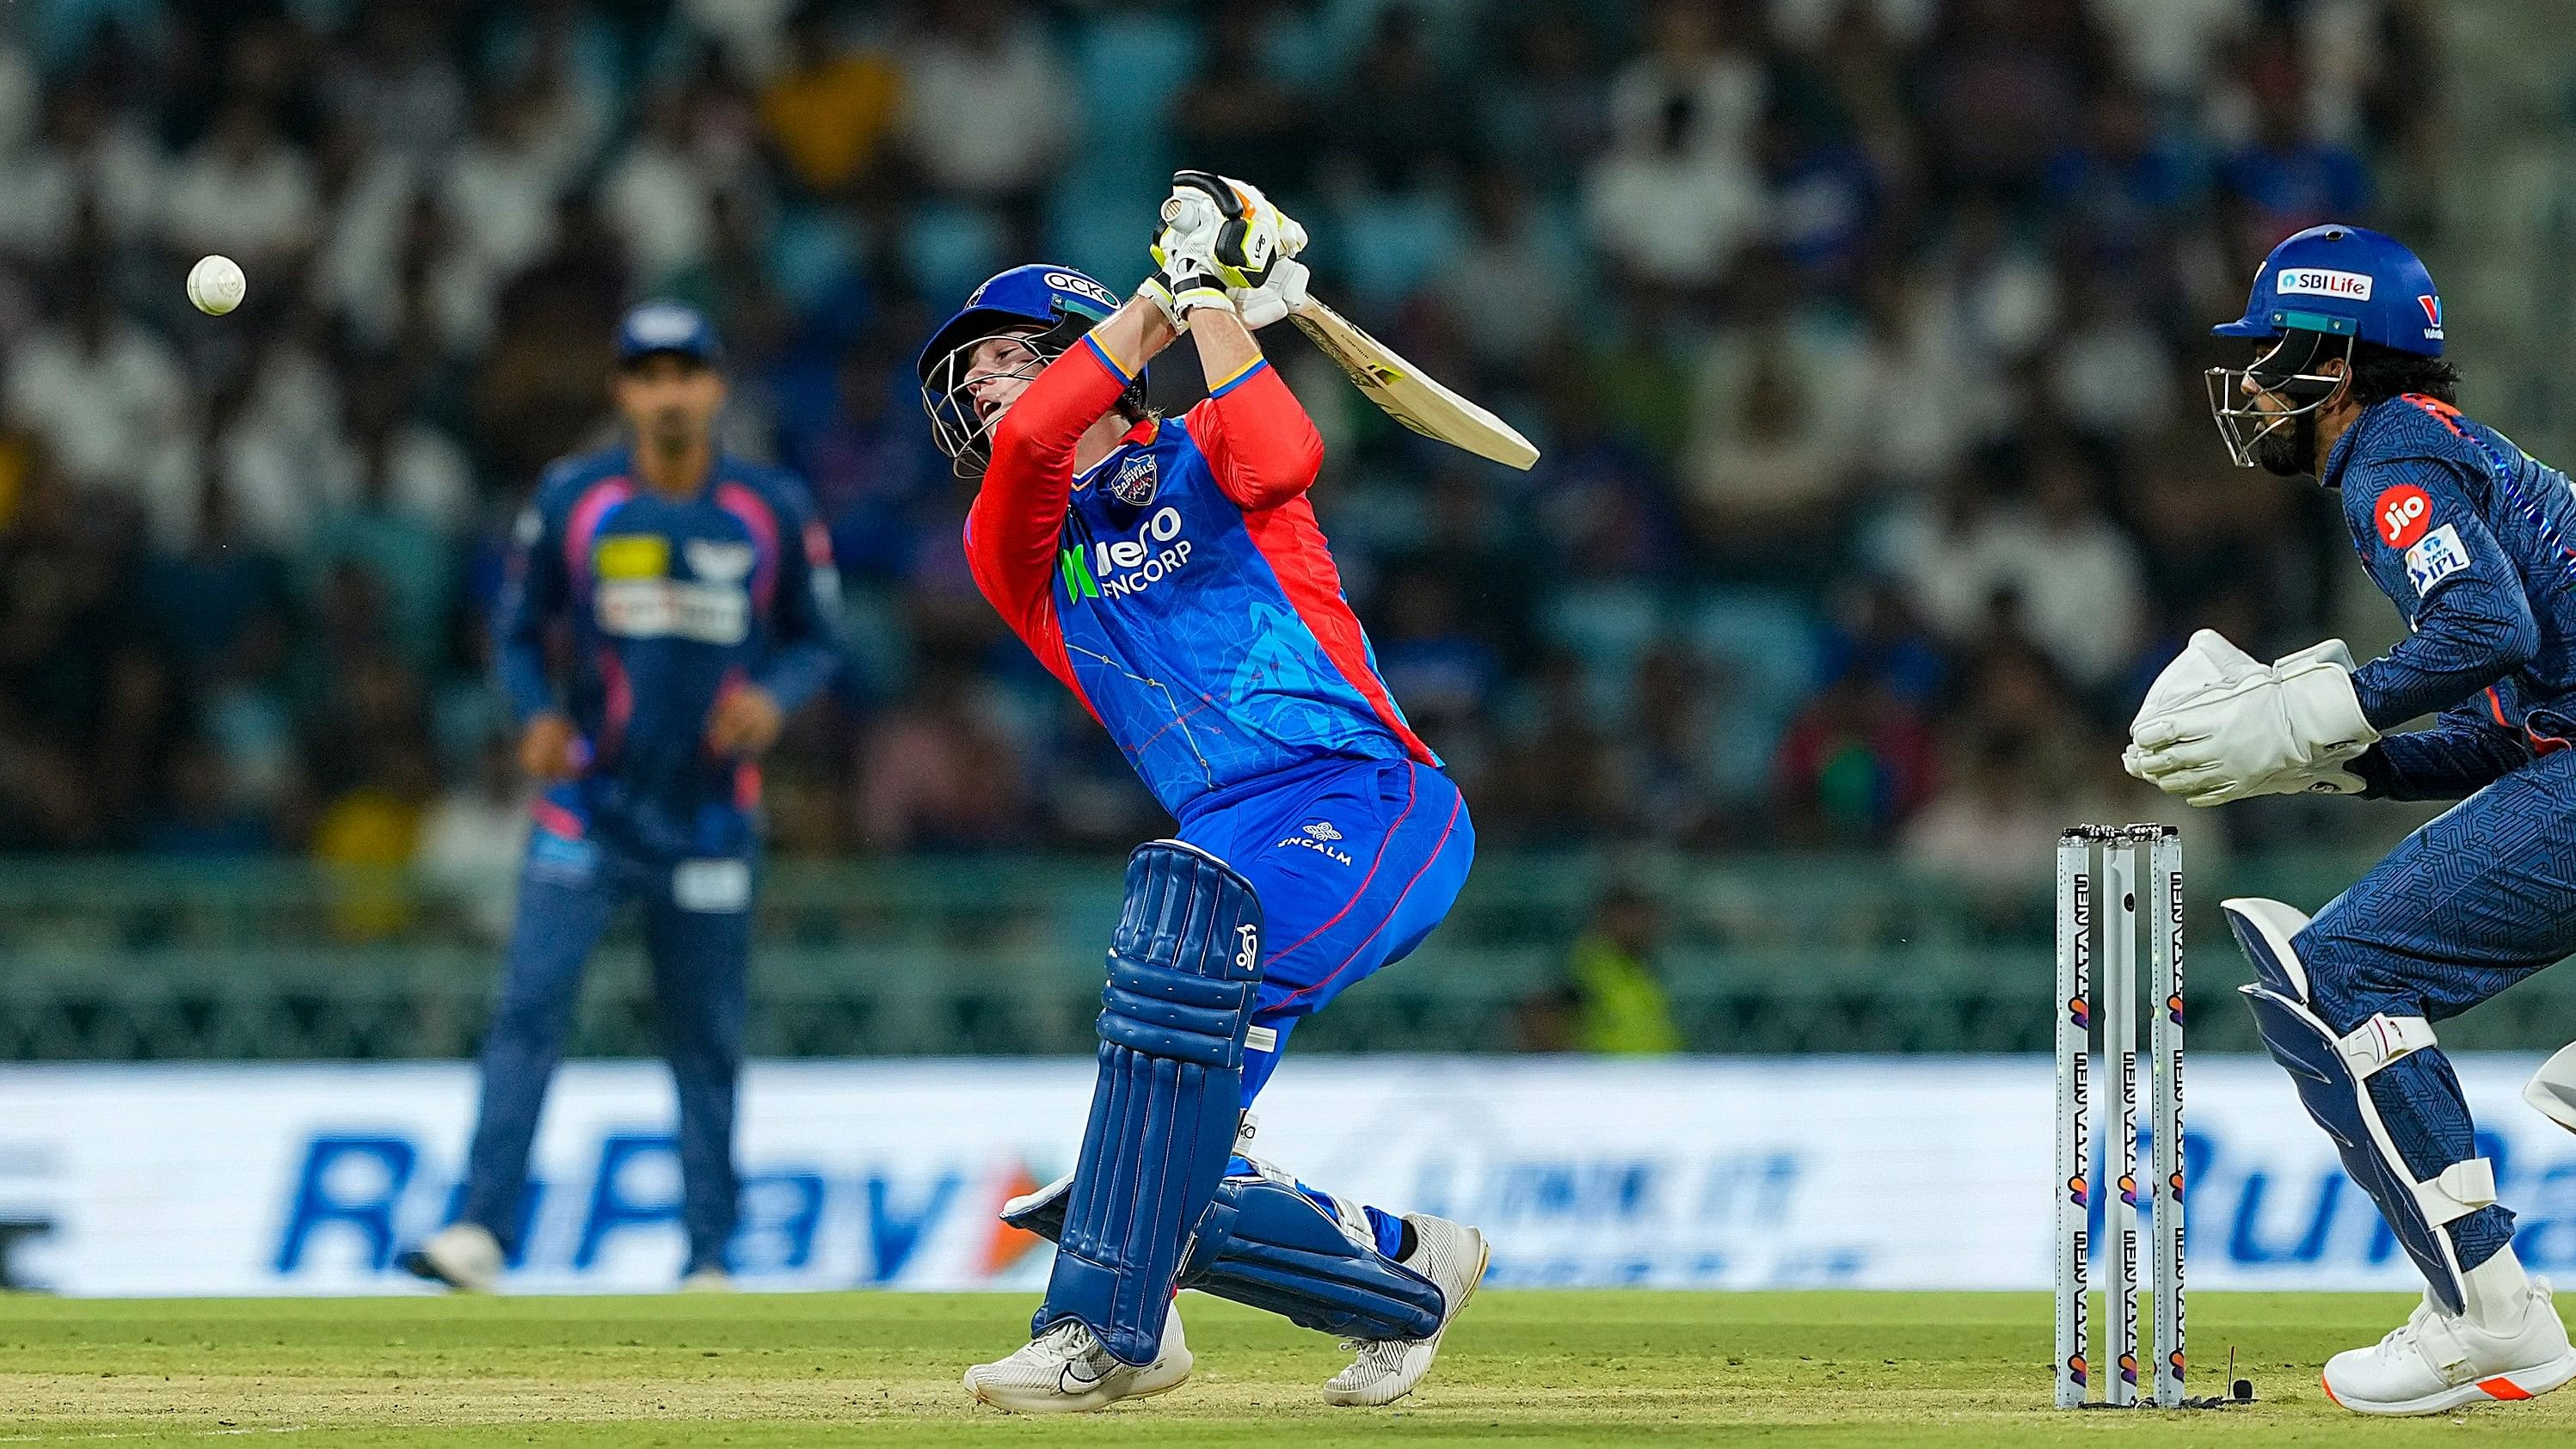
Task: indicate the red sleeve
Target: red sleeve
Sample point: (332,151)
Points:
(1257,438)
(1018,513)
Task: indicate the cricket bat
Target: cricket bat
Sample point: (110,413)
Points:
(1406,395)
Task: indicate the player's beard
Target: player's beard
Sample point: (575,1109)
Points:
(672,432)
(2288,451)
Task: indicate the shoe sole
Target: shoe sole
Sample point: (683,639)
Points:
(1087,1404)
(2512,1387)
(429,1270)
(1344,1399)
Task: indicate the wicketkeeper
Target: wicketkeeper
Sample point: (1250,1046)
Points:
(1170,572)
(2470,538)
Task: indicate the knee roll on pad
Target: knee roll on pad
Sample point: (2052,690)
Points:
(2332,1072)
(1183,966)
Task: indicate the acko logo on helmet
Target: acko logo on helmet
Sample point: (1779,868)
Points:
(1081,287)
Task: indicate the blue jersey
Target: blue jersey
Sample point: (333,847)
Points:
(2470,538)
(1180,586)
(659,607)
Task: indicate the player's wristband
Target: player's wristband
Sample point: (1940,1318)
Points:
(1161,296)
(1177,297)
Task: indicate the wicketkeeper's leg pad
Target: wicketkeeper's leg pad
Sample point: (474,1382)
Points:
(1183,966)
(2333,1072)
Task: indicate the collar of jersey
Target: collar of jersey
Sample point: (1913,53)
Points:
(2341,453)
(1143,432)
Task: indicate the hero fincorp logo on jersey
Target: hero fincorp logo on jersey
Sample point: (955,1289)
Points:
(2322,282)
(1123,566)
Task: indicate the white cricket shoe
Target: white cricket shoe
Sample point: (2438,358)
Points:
(1065,1371)
(464,1256)
(2436,1362)
(1453,1256)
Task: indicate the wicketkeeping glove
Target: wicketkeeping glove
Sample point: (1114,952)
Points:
(2279,729)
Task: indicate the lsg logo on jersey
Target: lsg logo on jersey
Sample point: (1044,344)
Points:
(1120,567)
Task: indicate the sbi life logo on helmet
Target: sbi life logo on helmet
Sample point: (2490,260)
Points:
(2322,282)
(1120,567)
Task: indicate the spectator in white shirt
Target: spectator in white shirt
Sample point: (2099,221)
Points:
(89,152)
(109,402)
(987,107)
(658,200)
(243,192)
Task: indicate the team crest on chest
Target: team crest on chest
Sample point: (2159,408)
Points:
(1135,481)
(718,563)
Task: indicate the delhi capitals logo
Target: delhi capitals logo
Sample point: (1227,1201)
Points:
(1135,481)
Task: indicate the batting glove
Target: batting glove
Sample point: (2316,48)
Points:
(1243,234)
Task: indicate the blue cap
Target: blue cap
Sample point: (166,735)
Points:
(672,327)
(2345,281)
(1040,296)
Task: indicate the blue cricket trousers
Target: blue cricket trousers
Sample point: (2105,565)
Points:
(1355,861)
(697,936)
(2468,905)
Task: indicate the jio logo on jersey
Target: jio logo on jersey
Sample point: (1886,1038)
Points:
(2403,512)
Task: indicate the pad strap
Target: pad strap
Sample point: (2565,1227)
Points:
(2383,1039)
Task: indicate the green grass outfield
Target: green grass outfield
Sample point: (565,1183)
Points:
(1523,1368)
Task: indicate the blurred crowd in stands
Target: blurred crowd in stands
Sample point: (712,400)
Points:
(1862,338)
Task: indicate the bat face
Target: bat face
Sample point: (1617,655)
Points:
(1407,396)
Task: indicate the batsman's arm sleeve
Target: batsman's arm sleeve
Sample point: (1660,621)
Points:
(807,645)
(533,592)
(2463,753)
(1258,440)
(2463,599)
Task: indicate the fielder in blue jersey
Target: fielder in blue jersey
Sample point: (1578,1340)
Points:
(1171,573)
(686,601)
(2471,539)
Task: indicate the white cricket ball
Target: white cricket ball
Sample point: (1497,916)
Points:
(216,285)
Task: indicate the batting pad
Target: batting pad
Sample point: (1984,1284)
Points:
(1264,1243)
(1267,1244)
(1182,969)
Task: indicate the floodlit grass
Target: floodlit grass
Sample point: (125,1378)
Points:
(1522,1368)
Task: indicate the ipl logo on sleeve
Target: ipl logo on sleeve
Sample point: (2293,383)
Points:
(2439,557)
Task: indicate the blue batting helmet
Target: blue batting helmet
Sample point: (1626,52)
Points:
(2345,281)
(1052,305)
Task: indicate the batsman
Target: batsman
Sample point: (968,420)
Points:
(1171,573)
(2470,538)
